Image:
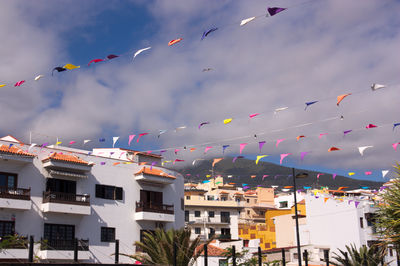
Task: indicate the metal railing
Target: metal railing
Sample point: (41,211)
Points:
(154,207)
(224,237)
(225,219)
(15,193)
(63,244)
(66,198)
(14,242)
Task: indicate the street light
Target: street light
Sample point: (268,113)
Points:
(301,175)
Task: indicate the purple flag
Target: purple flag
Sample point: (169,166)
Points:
(356,203)
(275,10)
(223,148)
(237,157)
(303,154)
(102,163)
(261,144)
(350,201)
(334,176)
(347,132)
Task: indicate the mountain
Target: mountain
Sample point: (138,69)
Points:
(242,170)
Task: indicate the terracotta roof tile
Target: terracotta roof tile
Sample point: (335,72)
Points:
(154,172)
(14,151)
(223,192)
(65,158)
(212,250)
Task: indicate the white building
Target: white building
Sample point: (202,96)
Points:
(58,194)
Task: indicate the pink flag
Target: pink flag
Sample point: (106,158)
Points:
(303,154)
(261,144)
(368,173)
(177,160)
(19,83)
(130,139)
(394,145)
(242,145)
(141,135)
(283,156)
(371,126)
(319,175)
(176,151)
(264,176)
(279,141)
(334,176)
(207,148)
(72,142)
(322,134)
(152,164)
(253,115)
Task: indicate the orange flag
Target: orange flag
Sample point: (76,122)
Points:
(326,199)
(341,97)
(333,149)
(216,160)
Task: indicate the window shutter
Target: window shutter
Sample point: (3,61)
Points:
(99,191)
(118,193)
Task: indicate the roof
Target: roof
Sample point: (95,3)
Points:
(223,192)
(143,153)
(14,151)
(65,158)
(212,251)
(154,172)
(302,202)
(11,139)
(250,192)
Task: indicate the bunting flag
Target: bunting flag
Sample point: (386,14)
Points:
(299,137)
(206,181)
(224,148)
(70,66)
(111,56)
(322,134)
(272,11)
(19,83)
(203,123)
(140,51)
(38,77)
(283,156)
(394,145)
(216,160)
(115,139)
(280,109)
(341,97)
(102,163)
(351,173)
(303,154)
(308,104)
(260,157)
(178,160)
(362,149)
(58,69)
(192,149)
(2,85)
(247,20)
(368,173)
(95,61)
(325,200)
(116,163)
(242,145)
(333,149)
(253,115)
(227,121)
(384,173)
(306,187)
(261,144)
(141,135)
(86,141)
(395,125)
(237,157)
(279,141)
(130,139)
(253,176)
(356,203)
(370,126)
(162,151)
(207,149)
(174,41)
(179,128)
(346,132)
(376,86)
(207,32)
(72,142)
(176,151)
(264,176)
(58,142)
(207,69)
(160,132)
(318,175)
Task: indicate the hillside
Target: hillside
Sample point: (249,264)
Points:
(242,170)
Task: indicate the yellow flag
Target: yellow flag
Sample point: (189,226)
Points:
(351,173)
(58,142)
(71,66)
(260,157)
(2,85)
(227,121)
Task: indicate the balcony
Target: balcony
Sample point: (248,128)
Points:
(212,220)
(15,198)
(60,249)
(14,248)
(66,203)
(200,201)
(224,237)
(148,211)
(154,176)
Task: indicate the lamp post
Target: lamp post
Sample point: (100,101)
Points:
(302,175)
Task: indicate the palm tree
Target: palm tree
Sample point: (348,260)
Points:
(158,248)
(363,256)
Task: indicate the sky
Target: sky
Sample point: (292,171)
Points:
(313,51)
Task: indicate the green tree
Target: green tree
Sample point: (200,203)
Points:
(363,256)
(388,214)
(158,248)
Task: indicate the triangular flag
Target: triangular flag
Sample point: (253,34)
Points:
(58,142)
(333,149)
(86,141)
(224,147)
(140,51)
(394,145)
(70,66)
(303,154)
(253,115)
(322,134)
(115,139)
(395,125)
(351,173)
(264,176)
(72,142)
(341,97)
(283,156)
(309,103)
(299,137)
(384,173)
(160,132)
(242,145)
(130,139)
(227,121)
(334,176)
(376,86)
(261,144)
(356,203)
(368,173)
(260,157)
(207,148)
(362,149)
(275,10)
(371,126)
(192,149)
(279,141)
(216,160)
(347,132)
(247,20)
(318,175)
(141,135)
(325,200)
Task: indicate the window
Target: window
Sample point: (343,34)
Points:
(225,217)
(197,230)
(391,252)
(6,228)
(186,216)
(224,198)
(262,213)
(188,197)
(211,214)
(61,185)
(248,212)
(283,204)
(222,262)
(107,234)
(246,243)
(361,222)
(59,236)
(8,180)
(247,200)
(196,213)
(182,204)
(108,192)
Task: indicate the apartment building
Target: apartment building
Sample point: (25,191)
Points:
(66,197)
(212,209)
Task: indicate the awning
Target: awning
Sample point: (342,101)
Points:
(64,173)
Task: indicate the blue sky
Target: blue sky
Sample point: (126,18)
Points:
(315,50)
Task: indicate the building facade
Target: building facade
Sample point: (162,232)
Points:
(65,196)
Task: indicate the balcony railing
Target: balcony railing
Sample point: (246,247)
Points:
(225,219)
(154,207)
(224,237)
(62,244)
(15,193)
(14,242)
(66,198)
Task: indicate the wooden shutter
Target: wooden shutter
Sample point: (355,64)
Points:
(118,193)
(99,191)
